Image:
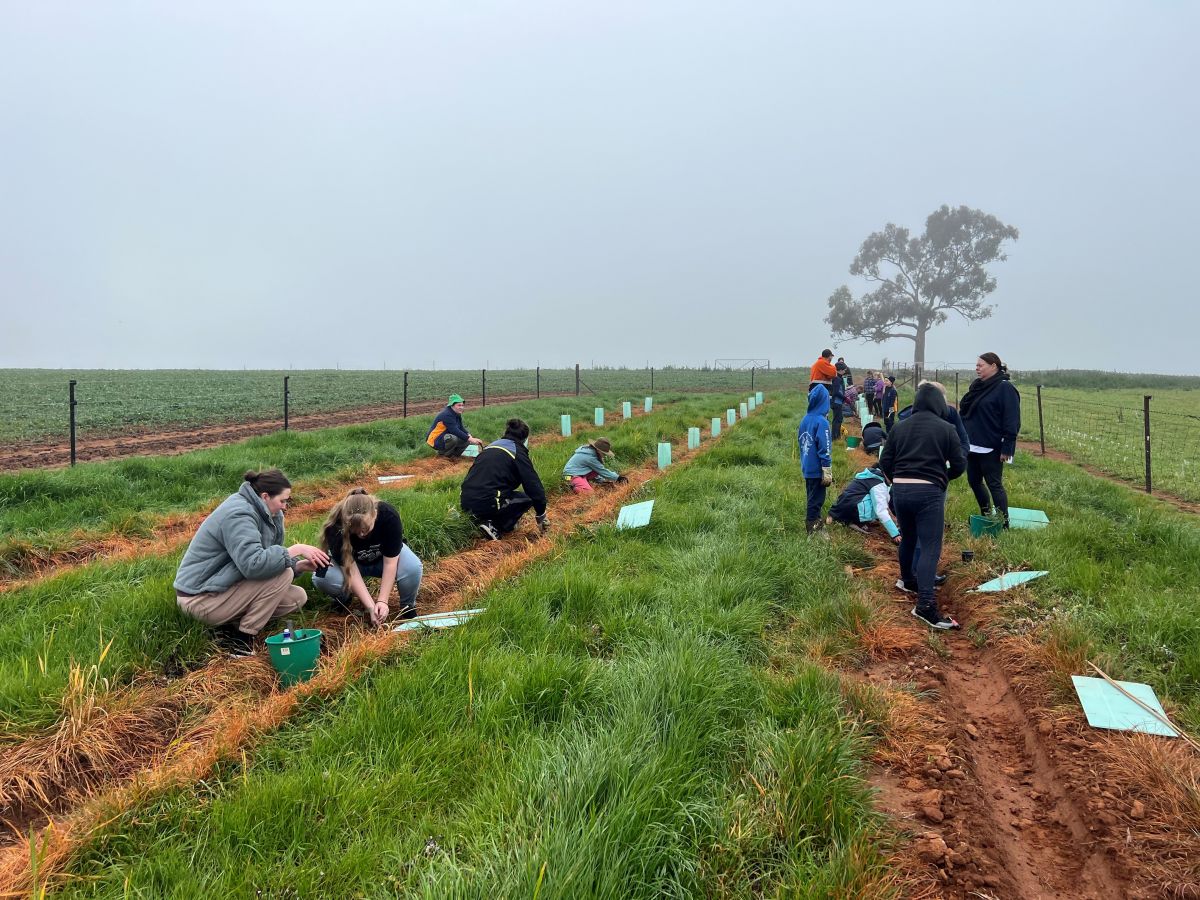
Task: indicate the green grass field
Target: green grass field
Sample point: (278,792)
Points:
(55,622)
(34,404)
(636,715)
(1105,428)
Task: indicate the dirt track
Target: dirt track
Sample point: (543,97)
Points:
(37,455)
(1005,794)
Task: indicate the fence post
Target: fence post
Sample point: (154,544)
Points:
(576,379)
(752,378)
(652,379)
(483,385)
(71,390)
(1041,421)
(404,414)
(286,394)
(539,382)
(1146,419)
(956,389)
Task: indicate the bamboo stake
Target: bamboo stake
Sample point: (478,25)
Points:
(1150,709)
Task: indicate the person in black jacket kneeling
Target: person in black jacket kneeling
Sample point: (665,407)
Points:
(921,456)
(489,492)
(991,412)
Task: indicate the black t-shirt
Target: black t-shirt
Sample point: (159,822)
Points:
(385,539)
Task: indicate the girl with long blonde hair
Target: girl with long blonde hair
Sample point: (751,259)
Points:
(365,539)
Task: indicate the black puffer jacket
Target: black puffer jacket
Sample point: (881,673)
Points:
(501,467)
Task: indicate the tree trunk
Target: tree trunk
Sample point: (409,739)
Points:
(919,344)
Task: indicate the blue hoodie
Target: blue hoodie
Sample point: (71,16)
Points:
(813,435)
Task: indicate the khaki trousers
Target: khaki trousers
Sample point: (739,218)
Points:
(249,603)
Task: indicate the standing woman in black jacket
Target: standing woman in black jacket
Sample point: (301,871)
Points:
(991,412)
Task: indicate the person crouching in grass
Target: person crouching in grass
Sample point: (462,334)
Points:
(587,465)
(816,460)
(236,575)
(375,549)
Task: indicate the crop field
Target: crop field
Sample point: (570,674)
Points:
(34,403)
(712,705)
(1105,428)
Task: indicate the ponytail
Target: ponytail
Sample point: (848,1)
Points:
(347,515)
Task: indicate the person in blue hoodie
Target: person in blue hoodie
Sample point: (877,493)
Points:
(991,412)
(816,460)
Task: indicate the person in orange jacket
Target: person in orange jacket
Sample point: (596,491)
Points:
(823,371)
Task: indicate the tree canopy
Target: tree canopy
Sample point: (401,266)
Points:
(922,279)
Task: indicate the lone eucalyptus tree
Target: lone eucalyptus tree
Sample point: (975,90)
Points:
(921,279)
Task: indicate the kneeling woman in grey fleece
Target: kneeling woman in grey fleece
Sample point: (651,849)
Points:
(236,574)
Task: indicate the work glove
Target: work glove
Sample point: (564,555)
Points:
(826,475)
(543,523)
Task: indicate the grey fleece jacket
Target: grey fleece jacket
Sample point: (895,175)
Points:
(240,541)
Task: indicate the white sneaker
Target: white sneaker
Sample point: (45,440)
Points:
(490,530)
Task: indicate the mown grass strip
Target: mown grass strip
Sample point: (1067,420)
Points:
(52,625)
(624,720)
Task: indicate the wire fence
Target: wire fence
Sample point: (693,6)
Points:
(48,408)
(1147,443)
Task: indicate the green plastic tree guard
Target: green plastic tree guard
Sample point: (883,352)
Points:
(744,411)
(751,403)
(664,454)
(566,426)
(758,397)
(716,426)
(730,416)
(693,438)
(599,415)
(627,410)
(649,403)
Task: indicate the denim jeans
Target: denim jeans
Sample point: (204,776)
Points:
(816,498)
(921,515)
(408,577)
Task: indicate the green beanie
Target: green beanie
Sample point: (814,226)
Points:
(454,398)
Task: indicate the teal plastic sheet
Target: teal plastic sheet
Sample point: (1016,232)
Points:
(1008,580)
(438,620)
(635,515)
(472,450)
(1106,707)
(1027,518)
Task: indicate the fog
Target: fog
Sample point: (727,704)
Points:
(222,185)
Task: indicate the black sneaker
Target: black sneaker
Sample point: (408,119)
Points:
(939,580)
(235,642)
(490,530)
(907,587)
(939,623)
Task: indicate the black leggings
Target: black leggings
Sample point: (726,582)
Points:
(987,468)
(921,515)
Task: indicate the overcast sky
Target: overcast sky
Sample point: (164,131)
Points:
(219,185)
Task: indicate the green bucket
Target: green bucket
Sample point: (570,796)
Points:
(295,660)
(981,525)
(852,441)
